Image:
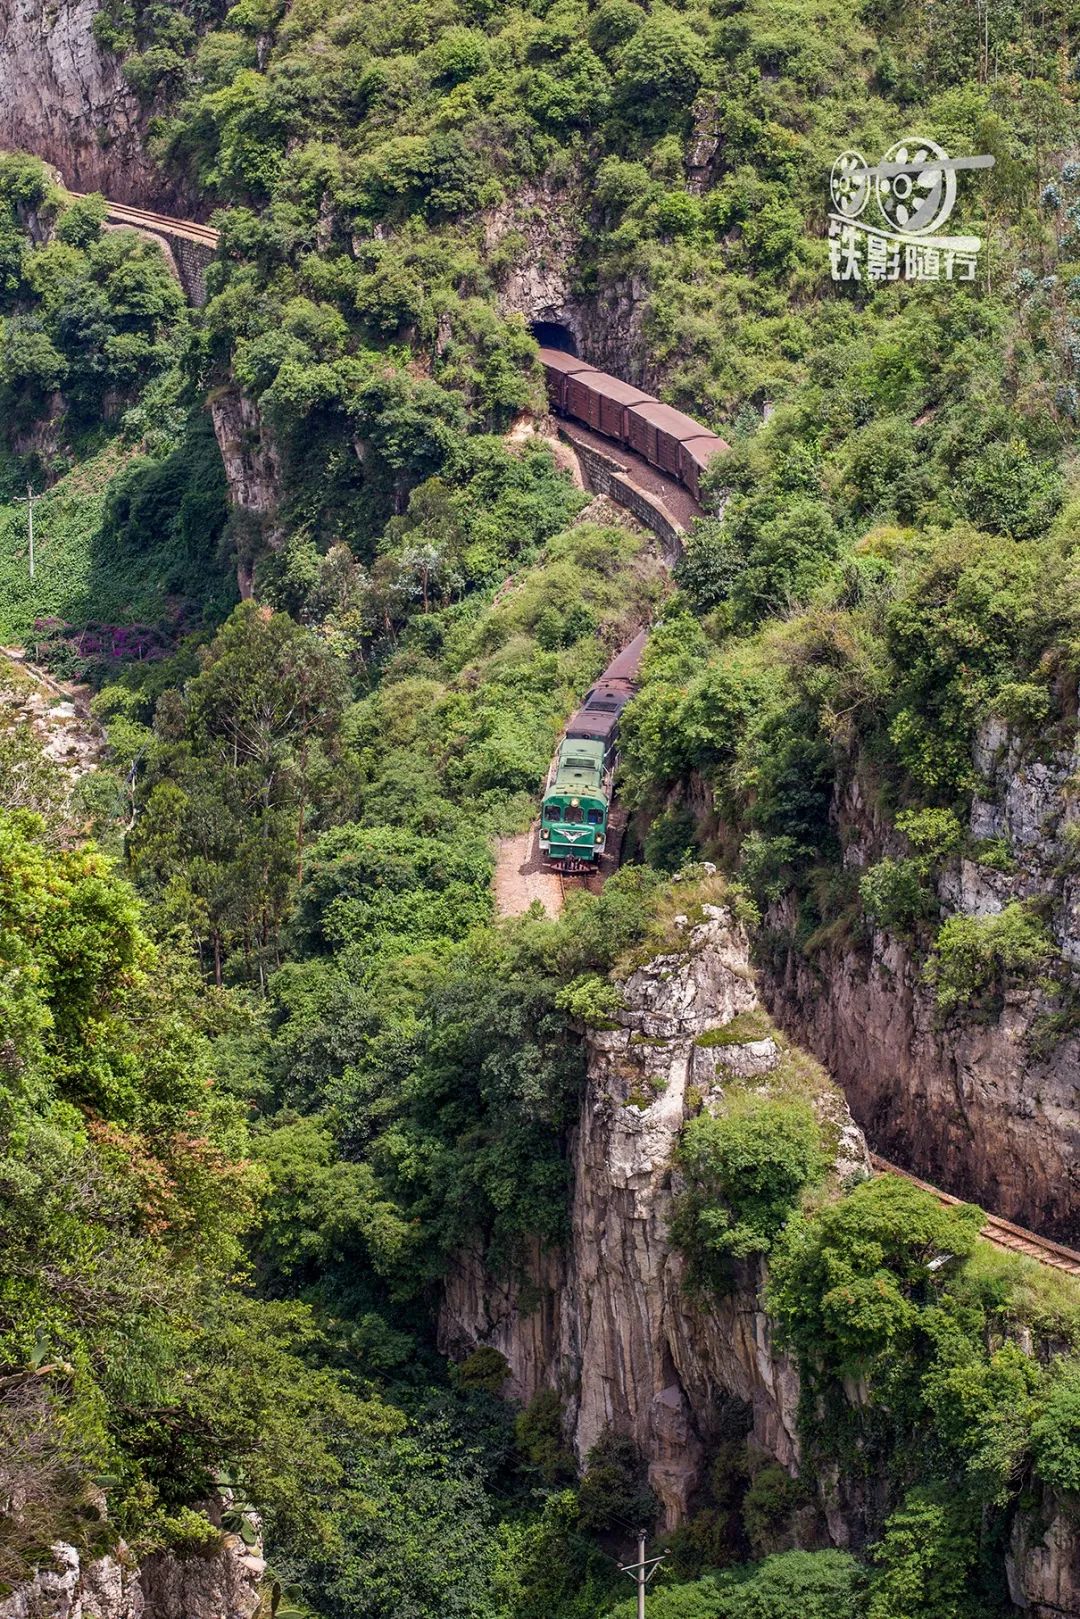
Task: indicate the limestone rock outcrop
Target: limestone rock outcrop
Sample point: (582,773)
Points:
(104,1588)
(984,1105)
(1043,1561)
(253,475)
(224,1583)
(64,98)
(539,232)
(608,1323)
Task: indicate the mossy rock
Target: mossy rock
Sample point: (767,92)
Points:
(743,1028)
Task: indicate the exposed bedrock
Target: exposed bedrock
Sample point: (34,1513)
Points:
(65,99)
(224,1583)
(985,1104)
(252,475)
(1043,1561)
(541,230)
(609,1323)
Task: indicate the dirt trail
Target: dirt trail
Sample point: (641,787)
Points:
(520,877)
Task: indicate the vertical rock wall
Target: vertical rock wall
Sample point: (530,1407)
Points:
(65,99)
(986,1102)
(224,1583)
(609,1323)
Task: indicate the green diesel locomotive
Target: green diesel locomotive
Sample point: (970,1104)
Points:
(577,800)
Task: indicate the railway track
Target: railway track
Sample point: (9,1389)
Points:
(162,224)
(1002,1233)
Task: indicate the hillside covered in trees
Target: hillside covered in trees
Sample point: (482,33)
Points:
(268,1060)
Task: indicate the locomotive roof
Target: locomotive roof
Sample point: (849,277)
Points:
(580,766)
(596,725)
(670,421)
(557,360)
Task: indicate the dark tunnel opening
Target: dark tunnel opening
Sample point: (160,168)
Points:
(550,334)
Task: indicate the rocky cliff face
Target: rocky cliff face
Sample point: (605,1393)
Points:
(223,1584)
(986,1107)
(65,99)
(541,230)
(253,474)
(608,1323)
(1043,1562)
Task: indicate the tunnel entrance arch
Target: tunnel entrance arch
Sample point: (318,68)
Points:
(552,334)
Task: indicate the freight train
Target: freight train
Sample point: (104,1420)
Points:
(670,441)
(577,800)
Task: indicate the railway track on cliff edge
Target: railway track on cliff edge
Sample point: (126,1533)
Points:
(1002,1233)
(161,224)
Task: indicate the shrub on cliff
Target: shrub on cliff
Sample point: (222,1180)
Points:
(1055,1434)
(974,957)
(850,1285)
(745,1169)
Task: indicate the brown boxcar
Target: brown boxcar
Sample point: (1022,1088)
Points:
(695,455)
(656,431)
(558,369)
(615,399)
(625,665)
(641,432)
(666,437)
(583,396)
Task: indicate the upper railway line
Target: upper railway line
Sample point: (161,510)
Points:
(668,453)
(1002,1233)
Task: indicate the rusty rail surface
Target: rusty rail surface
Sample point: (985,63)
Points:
(1002,1233)
(119,213)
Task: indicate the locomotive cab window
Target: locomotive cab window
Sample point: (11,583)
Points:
(551,812)
(595,817)
(572,813)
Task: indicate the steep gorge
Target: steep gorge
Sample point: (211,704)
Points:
(609,1323)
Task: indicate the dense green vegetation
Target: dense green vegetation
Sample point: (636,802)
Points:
(100,418)
(267,1025)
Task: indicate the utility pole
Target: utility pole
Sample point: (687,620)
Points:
(29,498)
(642,1571)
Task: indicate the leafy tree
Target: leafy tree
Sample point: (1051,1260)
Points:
(925,1560)
(1055,1433)
(659,70)
(849,1287)
(745,1169)
(614,1495)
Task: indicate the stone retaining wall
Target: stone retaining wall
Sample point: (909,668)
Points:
(604,475)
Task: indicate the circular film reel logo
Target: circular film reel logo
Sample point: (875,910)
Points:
(849,184)
(921,199)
